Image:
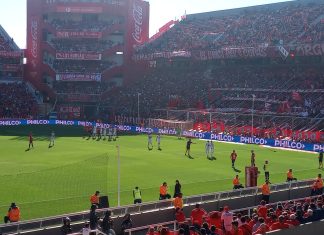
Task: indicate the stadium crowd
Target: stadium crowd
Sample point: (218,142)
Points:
(82,45)
(5,44)
(71,66)
(83,25)
(16,101)
(252,27)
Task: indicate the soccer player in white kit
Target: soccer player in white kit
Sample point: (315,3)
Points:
(52,139)
(109,133)
(207,149)
(149,141)
(158,140)
(212,148)
(114,133)
(104,133)
(94,132)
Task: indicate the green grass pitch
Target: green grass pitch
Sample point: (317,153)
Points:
(45,182)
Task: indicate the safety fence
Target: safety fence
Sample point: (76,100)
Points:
(45,223)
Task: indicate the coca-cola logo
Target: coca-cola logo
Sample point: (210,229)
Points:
(34,35)
(138,22)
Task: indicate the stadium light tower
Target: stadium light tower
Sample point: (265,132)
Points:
(253,98)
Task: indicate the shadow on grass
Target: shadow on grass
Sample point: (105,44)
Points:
(237,170)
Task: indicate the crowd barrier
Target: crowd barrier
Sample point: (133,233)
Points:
(190,134)
(214,200)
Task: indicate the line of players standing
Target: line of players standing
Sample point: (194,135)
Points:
(104,133)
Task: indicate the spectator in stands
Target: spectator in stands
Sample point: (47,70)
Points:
(263,228)
(94,199)
(137,195)
(236,183)
(317,188)
(290,176)
(262,210)
(235,229)
(86,229)
(66,227)
(164,191)
(245,227)
(265,188)
(197,216)
(107,224)
(178,201)
(13,214)
(280,224)
(257,224)
(127,222)
(179,215)
(227,218)
(214,218)
(177,188)
(93,217)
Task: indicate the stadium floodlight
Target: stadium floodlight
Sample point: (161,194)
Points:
(119,53)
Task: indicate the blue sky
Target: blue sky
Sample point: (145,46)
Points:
(13,13)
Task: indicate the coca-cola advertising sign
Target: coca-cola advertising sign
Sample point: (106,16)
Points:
(78,34)
(77,56)
(138,23)
(70,77)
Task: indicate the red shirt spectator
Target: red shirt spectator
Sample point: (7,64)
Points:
(197,215)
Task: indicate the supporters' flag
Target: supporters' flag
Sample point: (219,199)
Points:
(296,96)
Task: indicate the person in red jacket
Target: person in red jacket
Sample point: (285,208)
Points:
(280,224)
(31,140)
(262,210)
(245,227)
(235,229)
(179,215)
(197,215)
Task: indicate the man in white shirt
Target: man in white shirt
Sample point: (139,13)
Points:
(227,219)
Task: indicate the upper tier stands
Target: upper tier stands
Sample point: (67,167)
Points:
(255,26)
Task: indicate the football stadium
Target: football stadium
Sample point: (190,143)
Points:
(214,125)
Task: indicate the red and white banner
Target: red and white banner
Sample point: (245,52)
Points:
(11,67)
(78,34)
(79,9)
(10,54)
(71,77)
(77,56)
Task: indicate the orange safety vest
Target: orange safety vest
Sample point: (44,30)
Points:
(94,199)
(265,189)
(163,190)
(236,181)
(289,175)
(14,214)
(178,202)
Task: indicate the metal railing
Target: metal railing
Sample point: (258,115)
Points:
(47,222)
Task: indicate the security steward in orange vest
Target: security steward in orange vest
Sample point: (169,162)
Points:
(94,199)
(164,191)
(265,188)
(177,201)
(317,188)
(236,183)
(290,176)
(13,214)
